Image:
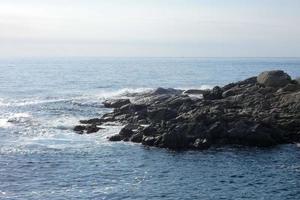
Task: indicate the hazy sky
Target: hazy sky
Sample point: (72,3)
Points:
(150,28)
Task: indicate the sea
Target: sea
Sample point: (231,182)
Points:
(42,99)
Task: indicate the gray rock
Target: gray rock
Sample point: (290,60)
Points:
(115,138)
(243,113)
(92,128)
(275,78)
(201,144)
(215,93)
(160,91)
(79,129)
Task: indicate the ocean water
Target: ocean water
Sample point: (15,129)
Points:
(42,158)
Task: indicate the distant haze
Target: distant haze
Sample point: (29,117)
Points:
(191,28)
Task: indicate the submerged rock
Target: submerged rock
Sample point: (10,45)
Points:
(260,111)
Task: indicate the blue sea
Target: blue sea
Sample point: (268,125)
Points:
(42,158)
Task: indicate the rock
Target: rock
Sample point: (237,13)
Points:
(160,91)
(298,80)
(160,114)
(174,139)
(248,81)
(115,138)
(92,128)
(132,108)
(231,92)
(127,131)
(215,93)
(92,121)
(194,91)
(116,103)
(149,141)
(137,138)
(201,144)
(79,128)
(289,88)
(274,78)
(259,111)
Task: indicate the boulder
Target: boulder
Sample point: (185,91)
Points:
(127,131)
(148,140)
(276,78)
(137,138)
(79,129)
(92,128)
(115,138)
(215,93)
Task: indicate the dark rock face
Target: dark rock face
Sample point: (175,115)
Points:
(90,128)
(260,111)
(274,78)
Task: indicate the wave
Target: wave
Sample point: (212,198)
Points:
(15,118)
(124,92)
(91,100)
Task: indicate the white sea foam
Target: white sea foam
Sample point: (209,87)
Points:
(201,87)
(4,123)
(8,121)
(121,93)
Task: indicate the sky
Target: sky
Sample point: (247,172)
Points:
(150,28)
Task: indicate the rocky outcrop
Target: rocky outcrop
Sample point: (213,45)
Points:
(260,111)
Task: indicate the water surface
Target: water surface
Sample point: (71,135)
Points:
(42,158)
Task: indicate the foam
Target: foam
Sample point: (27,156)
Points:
(121,92)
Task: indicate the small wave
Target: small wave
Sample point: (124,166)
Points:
(121,92)
(95,104)
(19,118)
(202,87)
(29,102)
(4,123)
(14,119)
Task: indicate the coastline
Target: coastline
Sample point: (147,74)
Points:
(260,111)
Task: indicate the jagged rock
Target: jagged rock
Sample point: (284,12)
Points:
(79,129)
(115,138)
(92,128)
(215,93)
(275,78)
(137,138)
(194,91)
(149,141)
(160,91)
(290,88)
(260,111)
(92,121)
(160,114)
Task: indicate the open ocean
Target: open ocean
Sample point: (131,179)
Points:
(42,158)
